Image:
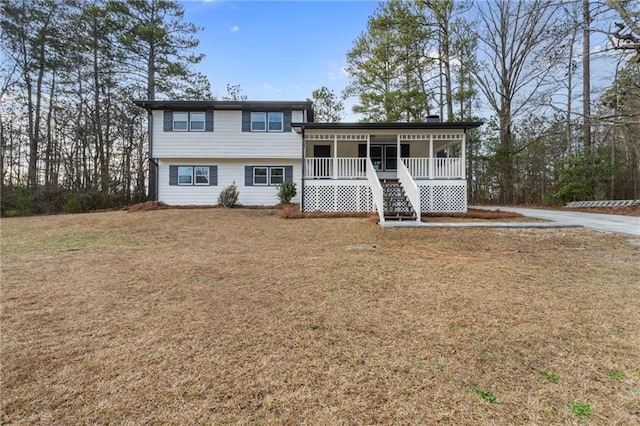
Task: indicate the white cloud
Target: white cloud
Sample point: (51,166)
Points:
(337,72)
(234,28)
(271,88)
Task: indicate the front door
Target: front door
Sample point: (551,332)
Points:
(384,157)
(376,155)
(390,157)
(323,167)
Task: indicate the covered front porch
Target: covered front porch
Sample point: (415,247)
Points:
(396,169)
(344,155)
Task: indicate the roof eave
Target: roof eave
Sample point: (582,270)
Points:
(465,125)
(221,105)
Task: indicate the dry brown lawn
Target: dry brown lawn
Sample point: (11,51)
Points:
(214,316)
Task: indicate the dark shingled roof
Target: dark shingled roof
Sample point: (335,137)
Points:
(239,105)
(387,126)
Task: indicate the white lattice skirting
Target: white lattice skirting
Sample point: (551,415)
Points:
(327,196)
(443,197)
(355,196)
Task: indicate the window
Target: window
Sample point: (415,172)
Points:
(196,121)
(202,175)
(180,121)
(186,121)
(264,122)
(276,176)
(267,175)
(199,175)
(260,176)
(258,121)
(185,175)
(276,121)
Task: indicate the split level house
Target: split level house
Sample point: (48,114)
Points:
(399,170)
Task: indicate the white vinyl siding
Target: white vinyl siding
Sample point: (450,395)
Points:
(227,141)
(228,172)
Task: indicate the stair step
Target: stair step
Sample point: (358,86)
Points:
(400,218)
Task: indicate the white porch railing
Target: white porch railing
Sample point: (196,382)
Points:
(335,168)
(448,168)
(410,188)
(418,167)
(355,168)
(376,189)
(319,168)
(443,168)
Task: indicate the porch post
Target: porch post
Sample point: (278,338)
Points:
(431,161)
(398,159)
(368,146)
(335,157)
(463,155)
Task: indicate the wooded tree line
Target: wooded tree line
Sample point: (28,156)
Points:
(71,137)
(72,140)
(524,67)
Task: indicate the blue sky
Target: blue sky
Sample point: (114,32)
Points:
(277,50)
(283,50)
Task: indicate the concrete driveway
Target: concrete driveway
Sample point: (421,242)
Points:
(629,225)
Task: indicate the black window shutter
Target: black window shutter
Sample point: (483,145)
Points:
(286,126)
(246,121)
(248,175)
(404,150)
(168,121)
(213,175)
(288,173)
(362,150)
(208,121)
(173,175)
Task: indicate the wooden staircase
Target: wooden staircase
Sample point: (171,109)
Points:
(396,204)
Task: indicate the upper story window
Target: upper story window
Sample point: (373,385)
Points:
(180,120)
(183,121)
(276,121)
(196,121)
(267,121)
(258,121)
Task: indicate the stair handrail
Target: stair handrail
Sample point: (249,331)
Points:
(410,188)
(376,189)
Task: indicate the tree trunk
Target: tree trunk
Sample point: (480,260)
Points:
(586,76)
(151,94)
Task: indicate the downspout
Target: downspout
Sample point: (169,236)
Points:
(151,159)
(304,172)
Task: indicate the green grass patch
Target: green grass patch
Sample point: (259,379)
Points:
(550,376)
(616,375)
(581,410)
(485,394)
